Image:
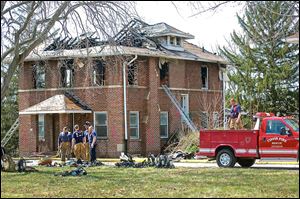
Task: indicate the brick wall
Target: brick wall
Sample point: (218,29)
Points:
(28,134)
(147,98)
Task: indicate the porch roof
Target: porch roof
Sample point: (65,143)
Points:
(55,104)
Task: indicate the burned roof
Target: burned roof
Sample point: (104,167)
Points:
(137,37)
(82,41)
(163,29)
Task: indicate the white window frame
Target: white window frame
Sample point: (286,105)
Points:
(204,66)
(138,125)
(41,117)
(101,112)
(188,103)
(40,74)
(94,77)
(164,112)
(95,74)
(69,78)
(218,123)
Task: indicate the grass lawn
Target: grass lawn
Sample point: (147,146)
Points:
(151,182)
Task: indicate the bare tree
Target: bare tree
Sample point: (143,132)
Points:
(25,25)
(210,110)
(202,7)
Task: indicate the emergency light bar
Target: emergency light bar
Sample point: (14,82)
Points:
(263,114)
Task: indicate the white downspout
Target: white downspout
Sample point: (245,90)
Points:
(125,99)
(224,102)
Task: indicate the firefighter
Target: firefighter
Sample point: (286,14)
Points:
(235,121)
(64,144)
(86,143)
(78,144)
(92,139)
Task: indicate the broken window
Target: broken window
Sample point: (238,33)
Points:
(204,77)
(178,41)
(39,75)
(172,40)
(164,74)
(67,73)
(99,73)
(132,74)
(204,120)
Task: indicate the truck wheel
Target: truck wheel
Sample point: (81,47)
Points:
(246,162)
(225,158)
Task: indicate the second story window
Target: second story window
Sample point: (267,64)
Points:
(99,73)
(132,74)
(67,73)
(39,75)
(204,77)
(164,74)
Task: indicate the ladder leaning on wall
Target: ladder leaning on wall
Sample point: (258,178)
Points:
(184,116)
(10,133)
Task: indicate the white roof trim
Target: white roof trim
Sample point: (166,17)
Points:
(51,112)
(55,104)
(107,50)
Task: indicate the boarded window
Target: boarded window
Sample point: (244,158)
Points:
(164,128)
(134,125)
(101,124)
(216,119)
(204,77)
(67,73)
(39,75)
(164,74)
(99,73)
(41,121)
(204,120)
(132,74)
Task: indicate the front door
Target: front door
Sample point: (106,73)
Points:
(275,142)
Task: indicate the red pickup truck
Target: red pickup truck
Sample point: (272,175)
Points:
(272,137)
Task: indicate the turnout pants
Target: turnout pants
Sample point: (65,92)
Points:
(79,151)
(233,125)
(65,150)
(87,152)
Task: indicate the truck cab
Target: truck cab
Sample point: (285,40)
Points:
(272,137)
(278,138)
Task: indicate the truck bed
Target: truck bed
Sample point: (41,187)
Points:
(244,142)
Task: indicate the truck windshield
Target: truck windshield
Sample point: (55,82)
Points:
(293,124)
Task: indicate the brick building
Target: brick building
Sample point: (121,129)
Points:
(68,83)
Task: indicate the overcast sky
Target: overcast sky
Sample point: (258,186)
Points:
(209,29)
